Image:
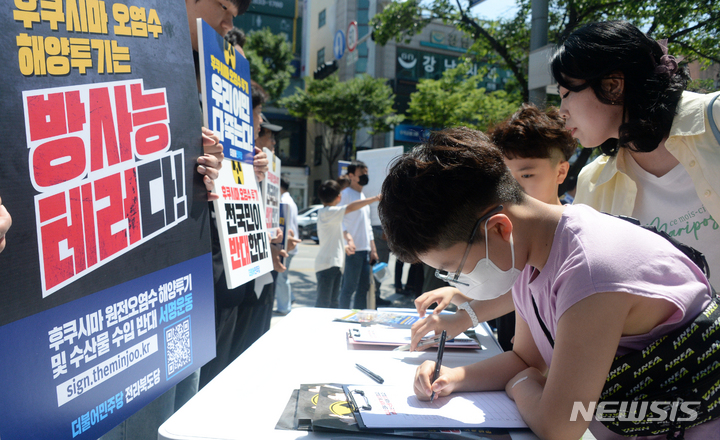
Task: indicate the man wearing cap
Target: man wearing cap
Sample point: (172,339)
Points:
(266,138)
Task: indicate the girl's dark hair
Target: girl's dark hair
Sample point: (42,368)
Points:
(650,94)
(434,195)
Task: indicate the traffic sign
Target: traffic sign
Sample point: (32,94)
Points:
(352,58)
(339,44)
(352,36)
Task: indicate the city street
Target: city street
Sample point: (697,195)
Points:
(302,278)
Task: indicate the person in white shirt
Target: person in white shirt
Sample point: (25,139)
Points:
(356,279)
(283,289)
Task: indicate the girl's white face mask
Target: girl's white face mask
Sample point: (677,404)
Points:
(487,281)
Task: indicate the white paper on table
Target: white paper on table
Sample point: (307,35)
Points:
(397,407)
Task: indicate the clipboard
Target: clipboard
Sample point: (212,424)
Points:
(351,392)
(400,338)
(378,408)
(326,419)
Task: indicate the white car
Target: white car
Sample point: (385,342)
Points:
(307,222)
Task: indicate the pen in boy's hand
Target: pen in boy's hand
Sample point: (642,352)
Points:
(438,363)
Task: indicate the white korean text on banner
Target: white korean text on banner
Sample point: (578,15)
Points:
(271,192)
(106,280)
(240,212)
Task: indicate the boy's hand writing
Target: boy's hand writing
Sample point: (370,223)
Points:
(443,386)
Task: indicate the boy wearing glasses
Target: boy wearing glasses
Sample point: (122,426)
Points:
(536,148)
(602,286)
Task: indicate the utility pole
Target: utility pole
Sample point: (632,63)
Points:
(538,39)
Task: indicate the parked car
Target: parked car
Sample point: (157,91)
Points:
(307,222)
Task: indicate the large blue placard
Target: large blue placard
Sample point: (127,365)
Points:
(227,97)
(106,281)
(81,368)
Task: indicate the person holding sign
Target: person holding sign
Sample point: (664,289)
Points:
(578,304)
(145,423)
(241,316)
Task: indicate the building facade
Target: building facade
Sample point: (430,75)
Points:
(427,55)
(284,17)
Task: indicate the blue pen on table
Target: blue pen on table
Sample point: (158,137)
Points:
(438,363)
(372,375)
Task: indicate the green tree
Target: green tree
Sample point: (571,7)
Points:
(692,27)
(343,108)
(456,100)
(269,56)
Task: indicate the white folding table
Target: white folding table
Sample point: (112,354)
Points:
(246,400)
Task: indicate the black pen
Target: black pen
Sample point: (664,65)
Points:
(372,375)
(438,363)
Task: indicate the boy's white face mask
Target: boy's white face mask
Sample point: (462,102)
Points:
(487,281)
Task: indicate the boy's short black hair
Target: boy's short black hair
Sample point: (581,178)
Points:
(434,195)
(354,165)
(328,191)
(531,133)
(284,184)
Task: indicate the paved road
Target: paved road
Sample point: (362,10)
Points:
(302,278)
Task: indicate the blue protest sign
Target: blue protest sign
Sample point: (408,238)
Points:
(227,101)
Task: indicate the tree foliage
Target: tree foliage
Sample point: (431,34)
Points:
(692,27)
(343,108)
(270,56)
(455,100)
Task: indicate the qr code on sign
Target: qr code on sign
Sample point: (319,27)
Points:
(178,347)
